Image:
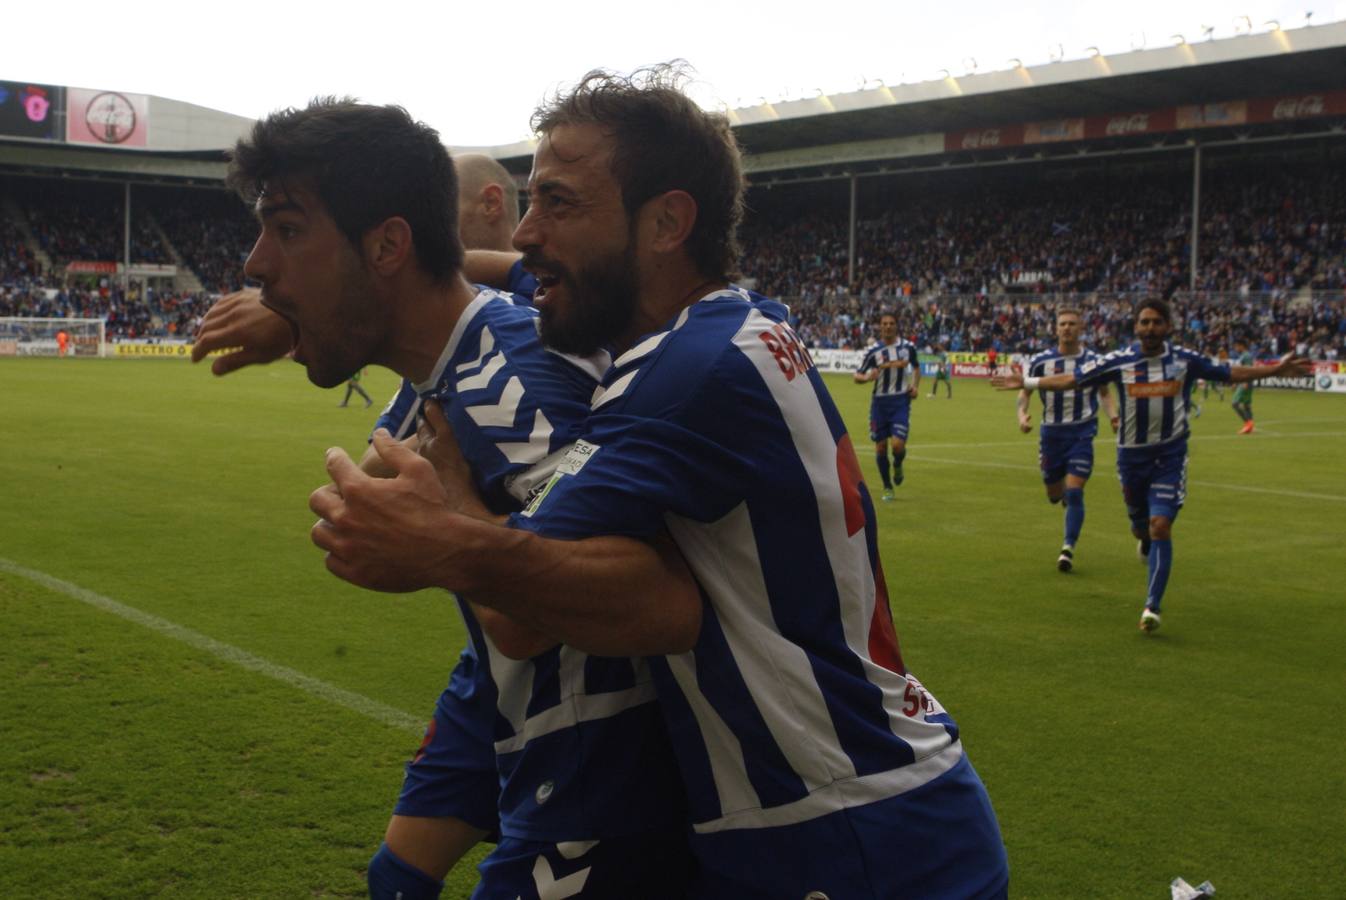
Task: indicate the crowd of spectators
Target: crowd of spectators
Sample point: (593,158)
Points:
(973,262)
(211,230)
(965,263)
(137,313)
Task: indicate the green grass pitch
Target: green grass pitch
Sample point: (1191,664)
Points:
(141,759)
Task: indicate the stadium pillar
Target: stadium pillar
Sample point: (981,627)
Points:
(850,253)
(126,238)
(1196,214)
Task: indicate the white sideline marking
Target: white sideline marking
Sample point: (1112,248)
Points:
(1300,495)
(341,697)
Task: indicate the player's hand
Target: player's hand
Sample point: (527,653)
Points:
(439,445)
(1025,423)
(1115,422)
(389,534)
(1294,366)
(1011,382)
(240,323)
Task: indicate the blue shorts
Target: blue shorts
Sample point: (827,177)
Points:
(1066,450)
(940,840)
(889,416)
(1154,479)
(655,865)
(454,771)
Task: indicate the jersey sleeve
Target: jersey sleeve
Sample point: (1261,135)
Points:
(1099,370)
(521,283)
(866,363)
(399,416)
(675,443)
(1201,367)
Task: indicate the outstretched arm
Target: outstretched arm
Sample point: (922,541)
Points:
(489,267)
(1109,407)
(1289,364)
(1014,382)
(610,596)
(1025,417)
(238,322)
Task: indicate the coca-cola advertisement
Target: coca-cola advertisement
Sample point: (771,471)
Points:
(1300,106)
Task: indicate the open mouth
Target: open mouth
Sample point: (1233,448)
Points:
(546,281)
(294,326)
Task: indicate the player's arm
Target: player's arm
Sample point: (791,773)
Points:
(609,596)
(866,373)
(1109,407)
(1289,364)
(915,389)
(514,640)
(1022,407)
(238,322)
(489,267)
(1062,381)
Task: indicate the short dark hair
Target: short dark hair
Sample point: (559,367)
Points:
(663,142)
(366,164)
(1159,305)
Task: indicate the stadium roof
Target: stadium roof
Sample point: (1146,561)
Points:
(800,132)
(872,124)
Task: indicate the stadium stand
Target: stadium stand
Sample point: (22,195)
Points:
(977,204)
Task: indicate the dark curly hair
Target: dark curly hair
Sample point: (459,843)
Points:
(663,142)
(367,164)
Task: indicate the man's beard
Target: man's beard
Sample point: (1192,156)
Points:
(600,304)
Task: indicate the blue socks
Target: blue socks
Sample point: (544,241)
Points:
(882,459)
(1074,515)
(1161,563)
(392,879)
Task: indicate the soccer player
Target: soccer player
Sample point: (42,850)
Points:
(1069,424)
(892,366)
(941,373)
(363,268)
(1154,387)
(808,750)
(62,342)
(1243,394)
(353,387)
(488,213)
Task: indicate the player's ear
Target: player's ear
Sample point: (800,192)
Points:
(388,246)
(492,199)
(670,216)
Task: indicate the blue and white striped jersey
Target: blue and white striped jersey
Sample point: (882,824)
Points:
(891,382)
(580,744)
(399,416)
(795,702)
(1153,392)
(1064,407)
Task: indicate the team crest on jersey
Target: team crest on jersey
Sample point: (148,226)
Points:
(1153,389)
(575,459)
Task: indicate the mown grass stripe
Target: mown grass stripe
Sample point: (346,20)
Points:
(350,700)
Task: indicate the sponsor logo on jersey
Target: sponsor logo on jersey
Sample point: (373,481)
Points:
(1154,389)
(575,459)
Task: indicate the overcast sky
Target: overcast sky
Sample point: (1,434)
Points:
(475,71)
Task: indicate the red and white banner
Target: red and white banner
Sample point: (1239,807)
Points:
(109,118)
(1260,111)
(89,267)
(1053,132)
